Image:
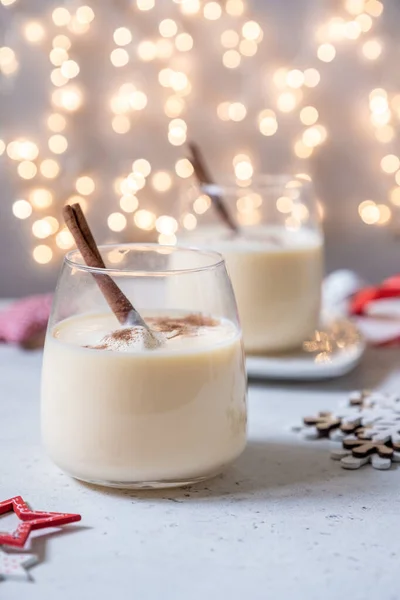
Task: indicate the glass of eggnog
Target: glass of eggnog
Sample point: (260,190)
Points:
(117,411)
(274,254)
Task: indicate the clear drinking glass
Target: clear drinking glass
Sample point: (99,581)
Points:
(275,259)
(129,416)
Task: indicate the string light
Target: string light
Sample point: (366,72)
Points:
(168,28)
(42,254)
(69,98)
(243,169)
(58,143)
(235,8)
(174,106)
(119,57)
(167,240)
(85,185)
(142,166)
(190,7)
(374,8)
(34,32)
(184,168)
(147,50)
(27,169)
(49,168)
(286,102)
(365,22)
(231,59)
(295,78)
(369,212)
(56,122)
(229,38)
(161,181)
(237,111)
(248,47)
(326,52)
(145,4)
(311,77)
(122,36)
(309,115)
(144,219)
(284,204)
(201,204)
(372,49)
(252,31)
(41,198)
(223,111)
(61,41)
(385,214)
(354,7)
(64,239)
(22,209)
(8,61)
(290,84)
(128,203)
(166,225)
(394,196)
(212,11)
(84,14)
(352,30)
(70,69)
(301,150)
(189,222)
(61,16)
(138,100)
(116,221)
(267,122)
(52,223)
(121,124)
(390,163)
(184,42)
(41,229)
(313,136)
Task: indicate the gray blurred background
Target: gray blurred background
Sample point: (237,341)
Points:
(345,169)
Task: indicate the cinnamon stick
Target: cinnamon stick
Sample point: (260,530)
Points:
(120,305)
(204,177)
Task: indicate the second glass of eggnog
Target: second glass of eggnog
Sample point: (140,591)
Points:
(274,259)
(117,411)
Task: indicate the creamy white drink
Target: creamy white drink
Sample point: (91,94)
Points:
(116,412)
(276,275)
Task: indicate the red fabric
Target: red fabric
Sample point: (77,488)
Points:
(390,288)
(25,318)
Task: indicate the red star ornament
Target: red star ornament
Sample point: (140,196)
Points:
(33,519)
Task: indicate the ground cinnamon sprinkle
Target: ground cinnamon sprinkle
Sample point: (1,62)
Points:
(171,327)
(187,325)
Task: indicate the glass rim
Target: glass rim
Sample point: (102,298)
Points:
(216,260)
(229,185)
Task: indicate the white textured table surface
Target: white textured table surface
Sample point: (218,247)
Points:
(285,522)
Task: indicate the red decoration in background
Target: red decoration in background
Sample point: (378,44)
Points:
(33,519)
(25,319)
(389,288)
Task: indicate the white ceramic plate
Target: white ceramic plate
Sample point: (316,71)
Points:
(334,351)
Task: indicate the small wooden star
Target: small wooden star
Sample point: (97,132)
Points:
(324,422)
(13,566)
(361,448)
(33,519)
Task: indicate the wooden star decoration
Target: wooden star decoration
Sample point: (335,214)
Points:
(32,519)
(13,566)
